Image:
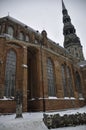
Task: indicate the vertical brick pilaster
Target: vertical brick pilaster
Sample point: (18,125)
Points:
(25,69)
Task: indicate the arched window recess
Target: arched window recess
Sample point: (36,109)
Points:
(27,38)
(79,85)
(10,31)
(10,72)
(64,81)
(51,78)
(21,36)
(67,81)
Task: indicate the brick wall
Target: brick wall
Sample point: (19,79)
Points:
(7,106)
(58,104)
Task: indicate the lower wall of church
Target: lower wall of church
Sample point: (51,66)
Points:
(9,106)
(51,105)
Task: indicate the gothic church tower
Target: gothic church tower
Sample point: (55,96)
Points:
(71,41)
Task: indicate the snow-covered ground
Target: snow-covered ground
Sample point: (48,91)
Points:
(33,121)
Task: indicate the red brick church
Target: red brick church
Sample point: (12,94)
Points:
(50,77)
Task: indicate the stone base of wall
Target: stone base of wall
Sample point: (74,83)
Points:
(7,106)
(54,104)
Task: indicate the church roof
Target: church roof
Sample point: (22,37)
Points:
(18,22)
(54,44)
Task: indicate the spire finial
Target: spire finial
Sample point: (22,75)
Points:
(63,5)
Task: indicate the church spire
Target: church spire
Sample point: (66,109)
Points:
(63,5)
(68,27)
(71,41)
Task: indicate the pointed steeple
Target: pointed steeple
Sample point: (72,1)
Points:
(71,41)
(68,27)
(63,5)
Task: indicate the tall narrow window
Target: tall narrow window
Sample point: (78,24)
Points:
(10,31)
(27,38)
(78,85)
(36,41)
(21,36)
(0,28)
(10,74)
(51,79)
(69,80)
(64,81)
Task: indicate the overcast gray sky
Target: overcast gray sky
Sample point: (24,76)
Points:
(47,15)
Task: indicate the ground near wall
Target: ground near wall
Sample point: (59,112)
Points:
(34,121)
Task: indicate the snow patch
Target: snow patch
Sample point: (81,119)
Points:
(34,121)
(52,97)
(5,98)
(81,99)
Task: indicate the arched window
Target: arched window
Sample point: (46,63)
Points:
(51,78)
(10,30)
(27,38)
(78,85)
(70,84)
(0,28)
(77,55)
(36,41)
(21,36)
(64,81)
(10,74)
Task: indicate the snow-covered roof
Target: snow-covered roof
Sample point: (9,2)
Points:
(18,22)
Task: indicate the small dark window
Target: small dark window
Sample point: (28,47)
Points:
(76,54)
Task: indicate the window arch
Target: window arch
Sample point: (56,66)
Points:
(36,41)
(77,55)
(27,38)
(78,85)
(10,30)
(0,27)
(21,36)
(64,81)
(69,81)
(10,72)
(51,78)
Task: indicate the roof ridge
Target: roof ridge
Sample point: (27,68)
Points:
(19,22)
